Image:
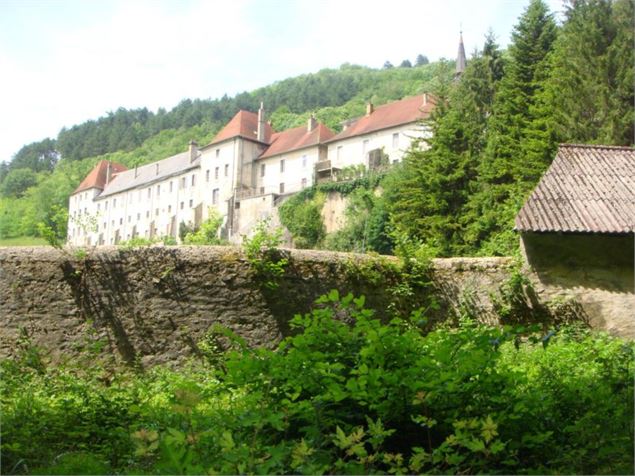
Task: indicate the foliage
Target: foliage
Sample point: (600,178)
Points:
(208,232)
(17,182)
(303,219)
(54,230)
(264,256)
(346,394)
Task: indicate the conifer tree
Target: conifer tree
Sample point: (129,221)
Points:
(429,195)
(505,174)
(589,97)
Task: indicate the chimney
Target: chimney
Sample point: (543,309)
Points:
(425,99)
(193,150)
(136,171)
(157,168)
(369,108)
(261,123)
(108,173)
(312,124)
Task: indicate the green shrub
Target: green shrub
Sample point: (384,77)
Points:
(208,232)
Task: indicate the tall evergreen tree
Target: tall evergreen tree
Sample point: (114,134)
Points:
(589,96)
(505,174)
(427,198)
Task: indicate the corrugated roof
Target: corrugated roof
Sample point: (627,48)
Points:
(243,124)
(587,189)
(150,173)
(296,138)
(393,114)
(96,178)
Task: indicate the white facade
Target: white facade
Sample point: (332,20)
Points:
(152,201)
(393,141)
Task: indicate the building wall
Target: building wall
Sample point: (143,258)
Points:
(354,150)
(298,171)
(594,270)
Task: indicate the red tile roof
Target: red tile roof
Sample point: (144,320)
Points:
(587,189)
(393,114)
(297,138)
(97,177)
(243,124)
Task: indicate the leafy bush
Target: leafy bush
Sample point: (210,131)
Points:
(263,255)
(346,394)
(207,234)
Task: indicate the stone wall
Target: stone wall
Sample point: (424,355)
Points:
(154,305)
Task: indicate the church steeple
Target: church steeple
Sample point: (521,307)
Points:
(461,61)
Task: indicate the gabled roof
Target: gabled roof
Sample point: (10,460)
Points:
(244,124)
(297,138)
(587,189)
(393,114)
(96,178)
(150,173)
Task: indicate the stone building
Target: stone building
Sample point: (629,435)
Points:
(243,174)
(577,232)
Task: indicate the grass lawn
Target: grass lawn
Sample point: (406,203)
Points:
(23,241)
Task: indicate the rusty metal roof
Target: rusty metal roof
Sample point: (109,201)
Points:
(587,189)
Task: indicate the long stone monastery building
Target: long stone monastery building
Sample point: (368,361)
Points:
(244,174)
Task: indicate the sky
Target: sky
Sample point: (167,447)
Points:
(63,62)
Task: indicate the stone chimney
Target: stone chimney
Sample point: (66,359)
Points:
(369,108)
(260,133)
(136,171)
(193,150)
(312,123)
(425,99)
(157,168)
(108,173)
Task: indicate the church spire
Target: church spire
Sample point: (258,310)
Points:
(460,58)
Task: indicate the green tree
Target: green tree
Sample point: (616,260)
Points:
(405,64)
(421,60)
(589,95)
(505,173)
(426,198)
(17,182)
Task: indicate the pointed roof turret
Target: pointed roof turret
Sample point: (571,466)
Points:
(461,61)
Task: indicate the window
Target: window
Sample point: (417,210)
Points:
(207,175)
(226,170)
(112,223)
(106,205)
(148,214)
(193,179)
(129,218)
(282,187)
(98,206)
(216,172)
(170,186)
(86,211)
(183,182)
(191,203)
(395,140)
(304,183)
(156,212)
(339,152)
(158,190)
(215,196)
(181,205)
(304,161)
(365,147)
(262,190)
(217,152)
(114,203)
(138,216)
(169,208)
(139,195)
(149,192)
(121,221)
(105,225)
(282,166)
(262,170)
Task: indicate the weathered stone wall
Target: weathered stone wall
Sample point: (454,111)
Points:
(153,305)
(597,271)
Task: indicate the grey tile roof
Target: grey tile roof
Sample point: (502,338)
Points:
(147,174)
(587,189)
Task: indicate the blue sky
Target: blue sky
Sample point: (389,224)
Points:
(64,62)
